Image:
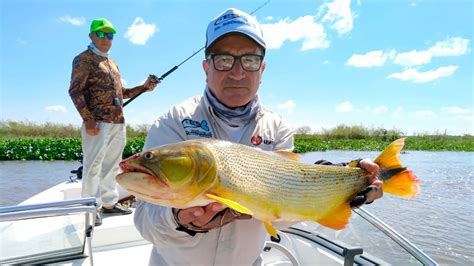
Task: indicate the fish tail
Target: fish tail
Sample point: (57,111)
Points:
(398,180)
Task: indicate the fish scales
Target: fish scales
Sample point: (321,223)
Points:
(281,184)
(266,186)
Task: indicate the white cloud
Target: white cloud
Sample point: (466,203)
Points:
(21,41)
(139,32)
(380,109)
(397,113)
(466,118)
(455,110)
(287,106)
(450,47)
(344,107)
(124,82)
(454,46)
(340,16)
(76,21)
(424,113)
(370,59)
(423,77)
(56,108)
(303,28)
(413,58)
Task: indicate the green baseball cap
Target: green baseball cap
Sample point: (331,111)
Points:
(102,23)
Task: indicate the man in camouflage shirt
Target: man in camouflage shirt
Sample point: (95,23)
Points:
(96,91)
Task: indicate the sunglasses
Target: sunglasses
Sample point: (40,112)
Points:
(225,62)
(101,35)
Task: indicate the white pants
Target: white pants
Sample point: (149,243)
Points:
(102,154)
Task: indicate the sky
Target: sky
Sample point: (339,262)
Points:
(403,65)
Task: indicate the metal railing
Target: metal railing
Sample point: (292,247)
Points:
(395,236)
(85,206)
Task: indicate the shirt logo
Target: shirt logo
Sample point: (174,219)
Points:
(257,140)
(188,123)
(196,128)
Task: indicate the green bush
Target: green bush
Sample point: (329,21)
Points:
(54,148)
(29,141)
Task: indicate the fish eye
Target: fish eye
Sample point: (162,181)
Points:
(148,155)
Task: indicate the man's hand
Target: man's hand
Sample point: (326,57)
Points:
(92,128)
(202,219)
(374,191)
(151,82)
(199,216)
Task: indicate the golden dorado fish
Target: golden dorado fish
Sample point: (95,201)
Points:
(270,186)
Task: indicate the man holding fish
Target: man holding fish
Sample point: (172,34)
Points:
(230,109)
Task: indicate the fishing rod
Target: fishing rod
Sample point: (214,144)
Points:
(155,79)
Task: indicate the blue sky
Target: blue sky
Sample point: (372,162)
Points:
(405,65)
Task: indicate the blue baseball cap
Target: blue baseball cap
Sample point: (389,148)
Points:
(231,21)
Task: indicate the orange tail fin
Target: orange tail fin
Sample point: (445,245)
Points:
(397,179)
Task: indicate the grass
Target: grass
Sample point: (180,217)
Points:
(14,130)
(30,141)
(308,143)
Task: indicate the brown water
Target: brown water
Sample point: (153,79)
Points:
(439,220)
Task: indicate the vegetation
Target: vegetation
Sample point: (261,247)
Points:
(29,141)
(308,143)
(14,130)
(54,148)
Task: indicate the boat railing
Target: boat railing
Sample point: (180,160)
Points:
(47,232)
(65,203)
(348,255)
(395,236)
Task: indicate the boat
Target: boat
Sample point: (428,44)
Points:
(56,226)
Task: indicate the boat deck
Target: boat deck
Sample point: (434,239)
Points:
(56,226)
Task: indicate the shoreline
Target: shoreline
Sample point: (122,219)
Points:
(69,149)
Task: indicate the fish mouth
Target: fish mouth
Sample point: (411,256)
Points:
(129,168)
(145,196)
(145,186)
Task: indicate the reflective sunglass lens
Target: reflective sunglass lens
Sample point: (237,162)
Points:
(102,35)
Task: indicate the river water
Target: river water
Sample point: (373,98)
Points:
(439,220)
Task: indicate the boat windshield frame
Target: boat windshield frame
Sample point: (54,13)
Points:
(67,236)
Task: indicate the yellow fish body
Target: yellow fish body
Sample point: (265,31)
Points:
(270,186)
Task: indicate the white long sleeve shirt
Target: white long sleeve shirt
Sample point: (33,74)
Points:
(237,243)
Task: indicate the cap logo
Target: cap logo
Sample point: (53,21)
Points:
(225,18)
(233,20)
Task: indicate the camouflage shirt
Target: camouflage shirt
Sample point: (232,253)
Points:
(96,89)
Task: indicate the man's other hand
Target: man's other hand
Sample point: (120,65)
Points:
(199,216)
(374,191)
(151,82)
(92,128)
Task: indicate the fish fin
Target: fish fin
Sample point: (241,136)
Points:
(288,154)
(338,218)
(230,203)
(353,164)
(270,229)
(397,179)
(404,184)
(389,158)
